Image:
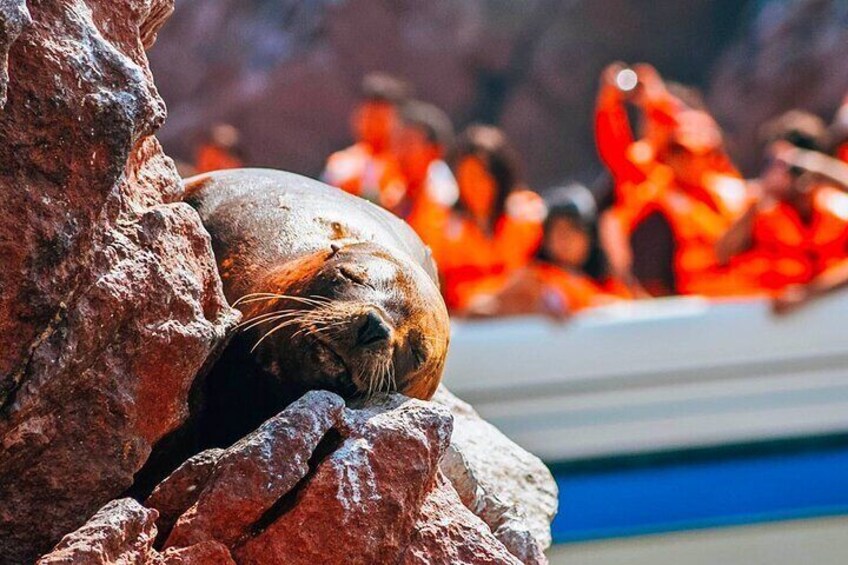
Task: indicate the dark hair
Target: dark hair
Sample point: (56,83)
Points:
(381,87)
(435,123)
(490,145)
(576,204)
(801,129)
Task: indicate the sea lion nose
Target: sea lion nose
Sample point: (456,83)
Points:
(372,330)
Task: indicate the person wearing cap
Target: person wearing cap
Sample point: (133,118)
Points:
(495,225)
(431,189)
(678,172)
(220,150)
(369,168)
(794,234)
(568,274)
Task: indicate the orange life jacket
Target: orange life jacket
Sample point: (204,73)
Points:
(375,177)
(466,255)
(793,252)
(697,219)
(213,158)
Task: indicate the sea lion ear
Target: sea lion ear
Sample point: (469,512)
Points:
(335,248)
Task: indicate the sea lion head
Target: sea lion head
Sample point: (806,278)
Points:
(358,319)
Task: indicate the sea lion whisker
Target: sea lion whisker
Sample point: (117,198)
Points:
(260,296)
(274,330)
(267,315)
(266,320)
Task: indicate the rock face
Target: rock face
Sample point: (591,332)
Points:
(109,300)
(111,310)
(792,56)
(287,73)
(511,490)
(123,532)
(321,483)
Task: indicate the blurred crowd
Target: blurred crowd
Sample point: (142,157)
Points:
(681,220)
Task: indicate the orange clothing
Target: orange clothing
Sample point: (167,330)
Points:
(698,218)
(375,177)
(213,158)
(569,291)
(792,252)
(427,208)
(467,256)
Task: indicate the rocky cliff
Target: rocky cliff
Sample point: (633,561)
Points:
(111,310)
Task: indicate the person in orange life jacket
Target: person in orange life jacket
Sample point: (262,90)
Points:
(369,167)
(495,225)
(220,150)
(796,230)
(568,272)
(431,189)
(678,173)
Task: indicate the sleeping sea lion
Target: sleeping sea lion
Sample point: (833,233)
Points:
(337,294)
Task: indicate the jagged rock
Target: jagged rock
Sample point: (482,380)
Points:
(122,533)
(510,489)
(110,303)
(252,475)
(448,533)
(360,504)
(180,490)
(324,483)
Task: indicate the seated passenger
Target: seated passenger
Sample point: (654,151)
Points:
(495,227)
(795,233)
(568,273)
(431,189)
(220,150)
(369,167)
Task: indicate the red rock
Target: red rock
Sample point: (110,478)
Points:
(510,489)
(122,532)
(360,504)
(180,490)
(447,533)
(257,471)
(110,303)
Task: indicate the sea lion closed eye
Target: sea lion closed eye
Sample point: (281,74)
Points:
(336,293)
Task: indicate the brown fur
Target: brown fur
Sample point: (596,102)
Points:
(336,293)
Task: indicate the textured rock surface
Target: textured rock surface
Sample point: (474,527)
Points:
(793,56)
(180,490)
(361,503)
(321,483)
(510,489)
(109,299)
(252,475)
(447,532)
(122,532)
(287,72)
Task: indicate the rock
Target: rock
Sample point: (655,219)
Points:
(252,475)
(122,532)
(510,489)
(448,533)
(110,303)
(791,56)
(180,490)
(361,502)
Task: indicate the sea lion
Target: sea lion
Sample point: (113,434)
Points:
(337,293)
